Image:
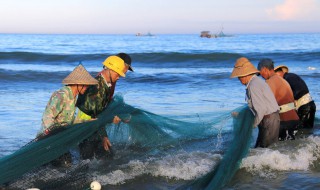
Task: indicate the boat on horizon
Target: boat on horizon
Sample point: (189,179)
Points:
(207,34)
(141,34)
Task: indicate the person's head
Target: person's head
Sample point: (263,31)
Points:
(281,70)
(266,67)
(244,70)
(127,60)
(80,79)
(115,66)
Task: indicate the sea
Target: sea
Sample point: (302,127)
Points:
(178,76)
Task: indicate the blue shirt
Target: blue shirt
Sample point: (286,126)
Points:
(260,99)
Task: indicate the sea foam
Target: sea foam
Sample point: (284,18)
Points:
(185,166)
(266,162)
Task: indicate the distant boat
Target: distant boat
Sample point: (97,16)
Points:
(222,34)
(207,34)
(141,34)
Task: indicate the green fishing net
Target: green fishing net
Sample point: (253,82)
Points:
(236,151)
(143,129)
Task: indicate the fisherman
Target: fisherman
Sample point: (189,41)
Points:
(96,99)
(303,101)
(260,100)
(289,119)
(61,108)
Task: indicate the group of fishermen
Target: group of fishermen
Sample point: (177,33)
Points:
(281,104)
(91,96)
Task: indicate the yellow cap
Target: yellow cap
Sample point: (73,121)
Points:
(116,64)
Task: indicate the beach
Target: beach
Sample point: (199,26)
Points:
(177,79)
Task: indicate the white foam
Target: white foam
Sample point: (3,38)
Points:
(184,166)
(266,161)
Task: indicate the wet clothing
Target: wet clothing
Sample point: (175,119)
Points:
(306,114)
(93,102)
(284,96)
(60,109)
(264,106)
(268,130)
(306,108)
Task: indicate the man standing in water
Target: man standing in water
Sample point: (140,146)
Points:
(96,99)
(61,108)
(281,89)
(260,100)
(303,101)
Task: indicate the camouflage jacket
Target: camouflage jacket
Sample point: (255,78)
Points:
(60,109)
(96,98)
(94,101)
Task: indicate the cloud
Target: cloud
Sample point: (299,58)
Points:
(294,10)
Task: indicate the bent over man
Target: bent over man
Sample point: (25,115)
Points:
(61,108)
(303,101)
(281,89)
(260,100)
(97,98)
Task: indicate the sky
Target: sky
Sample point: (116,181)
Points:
(159,16)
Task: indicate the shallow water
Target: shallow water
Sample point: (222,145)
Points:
(182,77)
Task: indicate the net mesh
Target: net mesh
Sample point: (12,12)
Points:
(236,151)
(28,166)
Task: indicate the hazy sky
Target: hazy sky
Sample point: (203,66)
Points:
(159,16)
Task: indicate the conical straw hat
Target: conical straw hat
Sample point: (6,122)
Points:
(243,67)
(80,76)
(284,68)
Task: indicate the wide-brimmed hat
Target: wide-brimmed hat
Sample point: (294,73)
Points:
(284,68)
(80,75)
(243,67)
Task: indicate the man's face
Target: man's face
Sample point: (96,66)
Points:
(114,75)
(264,72)
(82,88)
(245,80)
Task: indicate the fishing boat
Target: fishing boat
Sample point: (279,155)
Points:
(141,34)
(207,34)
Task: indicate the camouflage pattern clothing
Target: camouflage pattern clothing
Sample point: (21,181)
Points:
(60,109)
(96,98)
(92,103)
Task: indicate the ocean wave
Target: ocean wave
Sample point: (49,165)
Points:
(300,154)
(40,73)
(160,59)
(21,57)
(185,166)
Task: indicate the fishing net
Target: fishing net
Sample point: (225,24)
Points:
(147,132)
(28,166)
(236,151)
